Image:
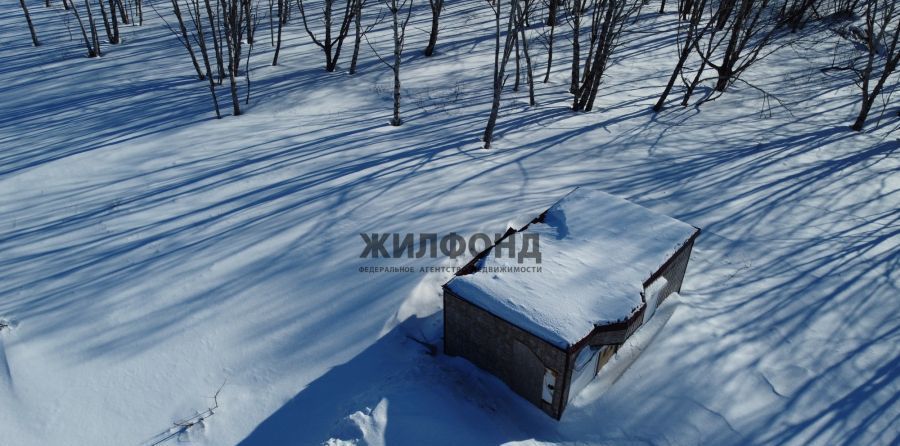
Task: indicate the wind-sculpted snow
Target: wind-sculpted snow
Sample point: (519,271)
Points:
(149,252)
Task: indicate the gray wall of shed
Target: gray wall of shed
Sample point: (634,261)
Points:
(519,358)
(676,270)
(515,356)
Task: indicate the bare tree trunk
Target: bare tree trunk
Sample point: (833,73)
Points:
(232,23)
(34,39)
(122,12)
(608,21)
(684,8)
(281,12)
(891,54)
(331,43)
(94,35)
(87,41)
(236,29)
(357,22)
(249,16)
(436,7)
(272,21)
(796,12)
(201,41)
(689,42)
(251,29)
(399,36)
(578,9)
(518,66)
(584,98)
(186,40)
(723,13)
(523,14)
(109,34)
(216,33)
(396,121)
(499,71)
(549,55)
(115,21)
(741,51)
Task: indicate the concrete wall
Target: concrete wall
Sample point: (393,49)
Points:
(512,354)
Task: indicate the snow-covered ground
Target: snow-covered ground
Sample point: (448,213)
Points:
(150,253)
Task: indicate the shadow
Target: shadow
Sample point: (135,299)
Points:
(394,392)
(135,223)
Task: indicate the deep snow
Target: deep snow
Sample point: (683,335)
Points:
(149,253)
(596,252)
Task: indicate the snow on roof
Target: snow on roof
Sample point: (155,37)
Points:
(597,250)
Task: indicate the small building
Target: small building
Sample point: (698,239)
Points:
(606,264)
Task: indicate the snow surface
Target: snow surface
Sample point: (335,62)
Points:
(149,252)
(625,357)
(596,252)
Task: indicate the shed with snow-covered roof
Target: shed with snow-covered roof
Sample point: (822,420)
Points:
(606,263)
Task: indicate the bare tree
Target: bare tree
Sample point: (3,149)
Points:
(357,26)
(738,33)
(216,35)
(552,21)
(123,13)
(360,32)
(34,38)
(750,30)
(577,9)
(252,21)
(796,12)
(684,8)
(197,19)
(883,53)
(397,10)
(331,42)
(844,8)
(609,18)
(233,19)
(500,66)
(115,20)
(185,39)
(436,7)
(250,18)
(112,36)
(88,42)
(521,17)
(693,34)
(399,28)
(517,51)
(283,6)
(95,38)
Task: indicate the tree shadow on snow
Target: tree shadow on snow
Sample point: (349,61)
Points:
(396,393)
